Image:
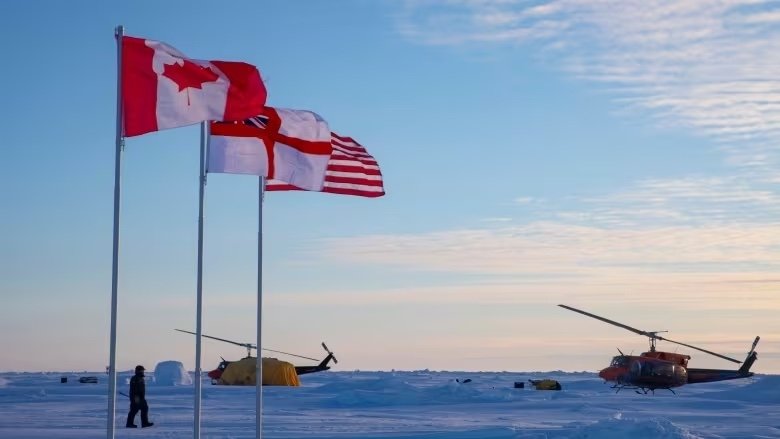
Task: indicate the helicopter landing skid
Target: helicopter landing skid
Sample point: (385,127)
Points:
(636,389)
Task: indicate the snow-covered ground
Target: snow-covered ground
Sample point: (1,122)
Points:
(419,404)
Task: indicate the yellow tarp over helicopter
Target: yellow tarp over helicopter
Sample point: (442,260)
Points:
(275,373)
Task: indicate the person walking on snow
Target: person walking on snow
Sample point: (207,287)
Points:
(138,400)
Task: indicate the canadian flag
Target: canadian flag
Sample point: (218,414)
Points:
(291,146)
(162,88)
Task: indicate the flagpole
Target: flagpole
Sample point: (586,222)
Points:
(199,288)
(259,369)
(118,34)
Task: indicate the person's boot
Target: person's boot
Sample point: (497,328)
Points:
(145,419)
(131,426)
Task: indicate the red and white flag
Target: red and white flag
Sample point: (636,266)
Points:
(162,88)
(292,146)
(351,171)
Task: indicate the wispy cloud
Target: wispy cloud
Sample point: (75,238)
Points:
(710,65)
(497,219)
(524,200)
(651,291)
(692,201)
(546,248)
(683,230)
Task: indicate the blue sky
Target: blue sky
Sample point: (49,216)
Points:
(620,157)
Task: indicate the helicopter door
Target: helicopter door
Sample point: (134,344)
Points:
(658,370)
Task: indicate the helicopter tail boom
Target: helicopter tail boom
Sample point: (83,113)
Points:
(301,370)
(711,375)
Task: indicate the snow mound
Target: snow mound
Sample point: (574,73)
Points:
(171,373)
(761,388)
(618,428)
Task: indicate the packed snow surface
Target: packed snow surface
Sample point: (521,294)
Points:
(420,404)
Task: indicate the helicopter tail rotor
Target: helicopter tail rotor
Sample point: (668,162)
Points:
(751,358)
(755,342)
(330,354)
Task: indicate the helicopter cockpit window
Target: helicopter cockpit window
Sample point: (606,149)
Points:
(619,361)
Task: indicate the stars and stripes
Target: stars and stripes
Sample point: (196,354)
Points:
(351,170)
(257,121)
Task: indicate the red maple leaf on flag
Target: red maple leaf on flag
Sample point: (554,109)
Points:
(189,75)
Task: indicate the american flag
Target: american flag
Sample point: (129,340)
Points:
(351,170)
(258,121)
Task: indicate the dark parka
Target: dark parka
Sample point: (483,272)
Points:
(137,389)
(138,400)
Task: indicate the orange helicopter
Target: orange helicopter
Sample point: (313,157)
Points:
(664,370)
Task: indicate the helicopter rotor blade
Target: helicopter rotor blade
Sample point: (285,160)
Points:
(294,355)
(701,350)
(612,322)
(652,335)
(243,345)
(247,345)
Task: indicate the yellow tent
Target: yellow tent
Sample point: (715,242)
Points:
(275,373)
